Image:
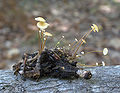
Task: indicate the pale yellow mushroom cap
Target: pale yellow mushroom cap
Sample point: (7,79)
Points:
(42,25)
(40,19)
(47,34)
(95,28)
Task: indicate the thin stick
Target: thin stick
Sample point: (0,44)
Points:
(25,60)
(33,59)
(56,54)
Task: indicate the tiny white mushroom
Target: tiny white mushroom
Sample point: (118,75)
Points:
(82,53)
(103,63)
(105,51)
(97,64)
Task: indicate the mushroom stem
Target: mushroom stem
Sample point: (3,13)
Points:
(44,43)
(92,52)
(39,42)
(86,35)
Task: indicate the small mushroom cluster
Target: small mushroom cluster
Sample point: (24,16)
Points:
(57,62)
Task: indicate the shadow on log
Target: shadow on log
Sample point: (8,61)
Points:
(104,80)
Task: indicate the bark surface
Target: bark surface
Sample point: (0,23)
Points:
(105,80)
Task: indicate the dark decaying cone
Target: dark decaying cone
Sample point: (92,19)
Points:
(51,63)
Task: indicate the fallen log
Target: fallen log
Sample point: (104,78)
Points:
(105,80)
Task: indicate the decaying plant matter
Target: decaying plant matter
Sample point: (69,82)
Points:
(51,63)
(57,62)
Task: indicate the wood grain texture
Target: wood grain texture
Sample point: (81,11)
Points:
(105,80)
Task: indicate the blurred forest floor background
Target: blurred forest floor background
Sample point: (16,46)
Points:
(71,18)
